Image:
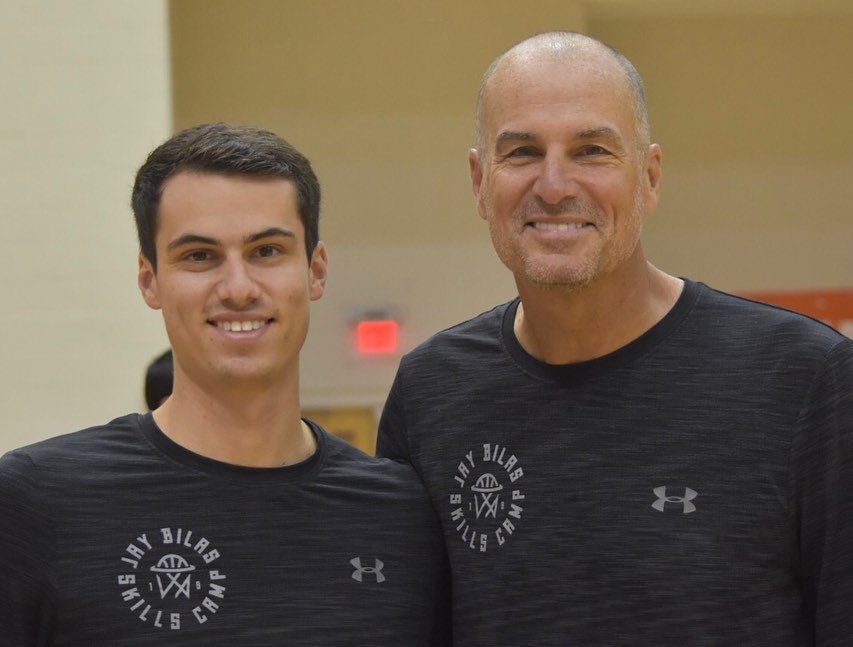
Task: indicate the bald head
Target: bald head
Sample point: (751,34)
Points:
(570,48)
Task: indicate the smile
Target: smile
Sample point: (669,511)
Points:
(240,326)
(559,226)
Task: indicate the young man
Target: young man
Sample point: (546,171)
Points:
(619,456)
(223,518)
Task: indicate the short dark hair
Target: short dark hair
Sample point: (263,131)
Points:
(223,149)
(159,377)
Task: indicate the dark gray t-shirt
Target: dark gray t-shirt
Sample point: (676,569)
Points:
(693,488)
(115,535)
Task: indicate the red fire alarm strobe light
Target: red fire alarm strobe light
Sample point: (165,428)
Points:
(377,336)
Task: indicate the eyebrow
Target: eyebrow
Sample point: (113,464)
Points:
(271,232)
(513,136)
(590,133)
(196,239)
(598,133)
(191,239)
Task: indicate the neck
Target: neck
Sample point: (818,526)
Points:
(565,327)
(249,428)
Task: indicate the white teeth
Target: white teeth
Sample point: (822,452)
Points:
(240,326)
(558,226)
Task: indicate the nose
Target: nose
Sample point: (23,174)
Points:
(237,288)
(555,181)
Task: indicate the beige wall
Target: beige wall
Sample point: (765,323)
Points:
(86,94)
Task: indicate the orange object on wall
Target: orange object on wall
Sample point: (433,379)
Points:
(834,307)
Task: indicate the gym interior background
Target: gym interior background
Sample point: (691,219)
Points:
(750,100)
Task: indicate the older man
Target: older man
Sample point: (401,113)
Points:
(620,456)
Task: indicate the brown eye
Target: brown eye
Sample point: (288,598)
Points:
(198,256)
(523,151)
(267,251)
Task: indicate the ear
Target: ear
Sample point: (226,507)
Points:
(475,168)
(147,280)
(654,176)
(319,271)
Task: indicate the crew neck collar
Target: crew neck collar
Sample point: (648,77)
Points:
(589,369)
(219,469)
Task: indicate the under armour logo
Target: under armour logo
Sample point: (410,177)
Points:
(663,499)
(360,570)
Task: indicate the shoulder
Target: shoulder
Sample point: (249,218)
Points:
(34,476)
(480,333)
(763,324)
(385,478)
(71,451)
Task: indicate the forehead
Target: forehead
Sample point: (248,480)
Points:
(586,92)
(214,204)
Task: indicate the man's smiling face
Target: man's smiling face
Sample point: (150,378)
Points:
(563,178)
(232,277)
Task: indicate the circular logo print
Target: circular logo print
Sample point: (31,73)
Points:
(487,502)
(170,579)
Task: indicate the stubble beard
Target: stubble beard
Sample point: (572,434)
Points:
(564,269)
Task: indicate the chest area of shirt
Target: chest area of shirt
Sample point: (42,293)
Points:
(168,570)
(690,492)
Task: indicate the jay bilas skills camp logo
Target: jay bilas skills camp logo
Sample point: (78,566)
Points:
(488,503)
(171,579)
